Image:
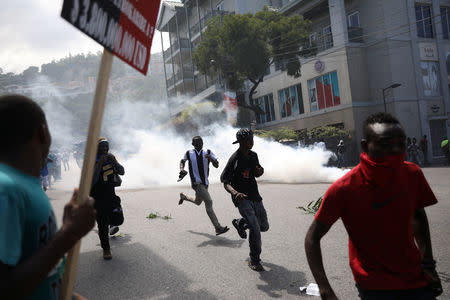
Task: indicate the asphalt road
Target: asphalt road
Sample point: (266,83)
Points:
(179,257)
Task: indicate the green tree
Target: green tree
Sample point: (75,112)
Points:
(278,134)
(242,47)
(327,131)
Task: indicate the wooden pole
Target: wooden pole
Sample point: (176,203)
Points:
(88,165)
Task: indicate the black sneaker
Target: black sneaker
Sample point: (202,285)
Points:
(240,229)
(182,198)
(113,230)
(255,266)
(107,255)
(222,230)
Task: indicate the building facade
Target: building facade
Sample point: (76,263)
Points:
(363,48)
(185,22)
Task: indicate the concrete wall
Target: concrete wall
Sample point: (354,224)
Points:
(358,74)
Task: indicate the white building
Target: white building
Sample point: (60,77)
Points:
(363,48)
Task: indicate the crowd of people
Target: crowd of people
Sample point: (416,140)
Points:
(51,171)
(381,203)
(417,153)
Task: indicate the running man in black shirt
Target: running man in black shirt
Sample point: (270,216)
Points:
(239,180)
(103,187)
(199,171)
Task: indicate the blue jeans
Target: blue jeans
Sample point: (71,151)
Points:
(424,293)
(255,219)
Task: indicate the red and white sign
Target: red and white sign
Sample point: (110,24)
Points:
(229,101)
(230,106)
(428,51)
(124,27)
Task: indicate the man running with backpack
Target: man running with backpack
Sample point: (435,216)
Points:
(199,171)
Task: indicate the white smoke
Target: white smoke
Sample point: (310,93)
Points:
(157,162)
(151,152)
(54,104)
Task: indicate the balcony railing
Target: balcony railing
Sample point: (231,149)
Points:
(167,53)
(355,35)
(324,42)
(200,83)
(186,74)
(184,43)
(204,20)
(195,29)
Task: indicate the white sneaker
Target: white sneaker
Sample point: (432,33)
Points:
(113,230)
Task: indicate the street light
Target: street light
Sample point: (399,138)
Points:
(392,86)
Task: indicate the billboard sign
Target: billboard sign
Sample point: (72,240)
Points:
(124,27)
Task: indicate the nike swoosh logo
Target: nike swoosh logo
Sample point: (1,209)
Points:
(378,205)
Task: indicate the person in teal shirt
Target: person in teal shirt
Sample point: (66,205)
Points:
(31,248)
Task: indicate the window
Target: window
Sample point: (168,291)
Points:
(327,37)
(266,105)
(430,77)
(312,39)
(279,65)
(445,20)
(423,18)
(291,101)
(353,19)
(220,6)
(324,91)
(301,109)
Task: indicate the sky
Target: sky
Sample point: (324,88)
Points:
(33,33)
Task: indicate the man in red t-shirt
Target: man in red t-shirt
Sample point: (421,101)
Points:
(381,203)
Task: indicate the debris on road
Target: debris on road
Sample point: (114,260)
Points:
(312,289)
(312,206)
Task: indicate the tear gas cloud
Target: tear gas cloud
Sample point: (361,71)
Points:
(151,151)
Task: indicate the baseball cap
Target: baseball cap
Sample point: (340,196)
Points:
(102,140)
(242,134)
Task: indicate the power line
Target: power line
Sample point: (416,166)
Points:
(374,43)
(385,31)
(340,22)
(436,23)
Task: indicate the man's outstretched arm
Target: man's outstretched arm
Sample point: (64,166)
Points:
(215,162)
(182,163)
(210,156)
(314,255)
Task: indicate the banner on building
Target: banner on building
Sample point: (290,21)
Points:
(230,106)
(428,51)
(124,27)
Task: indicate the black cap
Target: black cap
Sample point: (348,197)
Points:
(242,134)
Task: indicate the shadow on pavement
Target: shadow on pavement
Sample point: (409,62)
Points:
(279,279)
(135,272)
(218,241)
(117,239)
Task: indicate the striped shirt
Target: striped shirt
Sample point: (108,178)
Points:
(198,165)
